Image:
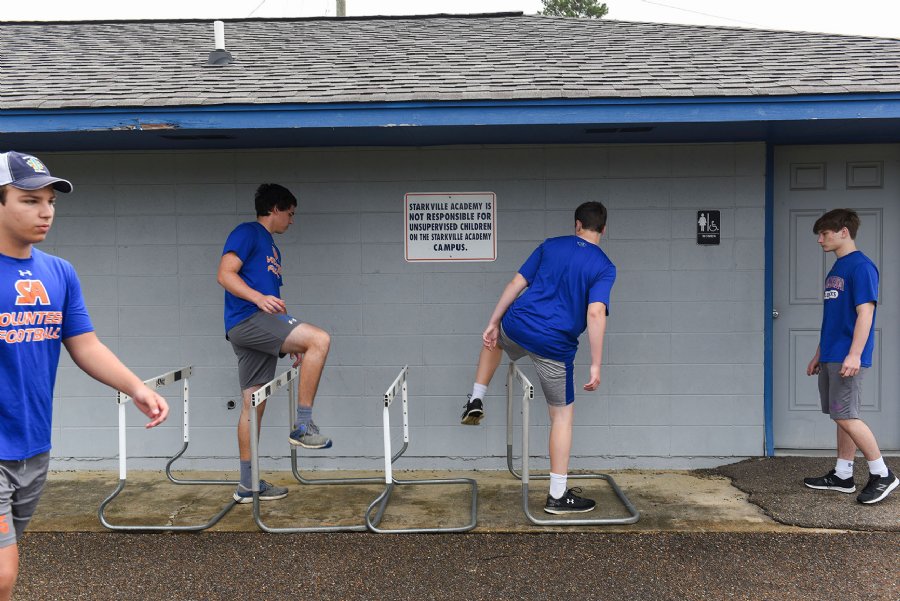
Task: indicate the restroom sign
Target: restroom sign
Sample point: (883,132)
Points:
(708,227)
(450,226)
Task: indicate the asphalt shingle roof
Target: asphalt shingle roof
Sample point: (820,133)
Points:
(490,57)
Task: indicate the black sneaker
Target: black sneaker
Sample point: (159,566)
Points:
(569,503)
(878,488)
(830,481)
(473,412)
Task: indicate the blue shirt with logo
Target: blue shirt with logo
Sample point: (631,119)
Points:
(564,276)
(40,306)
(261,269)
(852,281)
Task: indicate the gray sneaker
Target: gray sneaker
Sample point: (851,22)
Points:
(308,437)
(267,492)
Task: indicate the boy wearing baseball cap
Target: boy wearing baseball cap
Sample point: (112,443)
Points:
(41,309)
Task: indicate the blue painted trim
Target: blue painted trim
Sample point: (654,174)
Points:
(768,337)
(476,113)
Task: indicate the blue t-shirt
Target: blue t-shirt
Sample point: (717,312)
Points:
(261,269)
(852,281)
(564,276)
(40,306)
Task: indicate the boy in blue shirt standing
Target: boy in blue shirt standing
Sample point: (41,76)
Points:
(41,309)
(568,281)
(845,353)
(260,330)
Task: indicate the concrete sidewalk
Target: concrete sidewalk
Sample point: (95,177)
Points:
(669,501)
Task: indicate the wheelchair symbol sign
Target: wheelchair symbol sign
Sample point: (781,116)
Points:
(708,227)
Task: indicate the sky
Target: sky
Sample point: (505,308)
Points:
(857,17)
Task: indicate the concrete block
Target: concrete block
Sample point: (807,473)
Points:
(87,412)
(202,320)
(328,229)
(452,163)
(85,200)
(207,351)
(704,160)
(455,288)
(206,229)
(703,285)
(335,319)
(521,195)
(452,349)
(639,224)
(750,285)
(637,193)
(82,168)
(750,191)
(717,440)
(702,192)
(392,288)
(640,410)
(521,225)
(144,199)
(206,199)
(149,321)
(382,227)
(455,319)
(85,231)
(636,255)
(151,352)
(750,254)
(449,441)
(90,260)
(634,317)
(336,289)
(105,320)
(687,255)
(199,259)
(703,410)
(142,167)
(148,260)
(699,316)
(631,349)
(207,167)
(638,379)
(750,223)
(391,351)
(750,159)
(571,162)
(641,440)
(329,258)
(387,164)
(640,285)
(193,290)
(392,319)
(644,160)
(514,162)
(99,290)
(567,194)
(277,165)
(717,348)
(148,290)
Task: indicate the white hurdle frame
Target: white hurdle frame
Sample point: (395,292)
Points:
(183,374)
(288,379)
(516,375)
(399,386)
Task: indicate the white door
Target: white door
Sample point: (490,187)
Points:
(810,180)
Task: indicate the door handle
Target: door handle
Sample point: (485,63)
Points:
(775,314)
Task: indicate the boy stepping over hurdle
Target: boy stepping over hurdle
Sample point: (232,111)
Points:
(260,330)
(566,283)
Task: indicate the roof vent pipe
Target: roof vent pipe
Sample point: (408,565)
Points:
(219,57)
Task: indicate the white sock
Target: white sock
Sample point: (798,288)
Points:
(557,485)
(843,469)
(478,391)
(878,467)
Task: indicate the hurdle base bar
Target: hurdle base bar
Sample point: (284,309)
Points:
(171,377)
(515,374)
(288,378)
(399,386)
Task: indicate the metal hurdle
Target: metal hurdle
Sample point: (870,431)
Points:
(288,379)
(183,374)
(515,374)
(400,386)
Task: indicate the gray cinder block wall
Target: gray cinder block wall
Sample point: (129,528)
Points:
(683,359)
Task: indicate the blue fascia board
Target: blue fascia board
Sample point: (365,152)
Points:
(462,114)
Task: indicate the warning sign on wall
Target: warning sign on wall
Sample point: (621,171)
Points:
(451,226)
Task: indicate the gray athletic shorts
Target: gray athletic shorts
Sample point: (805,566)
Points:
(21,484)
(557,378)
(257,343)
(840,397)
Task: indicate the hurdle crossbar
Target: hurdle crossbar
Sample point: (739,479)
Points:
(288,379)
(516,375)
(400,387)
(166,379)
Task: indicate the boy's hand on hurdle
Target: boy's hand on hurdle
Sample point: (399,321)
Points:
(595,379)
(151,404)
